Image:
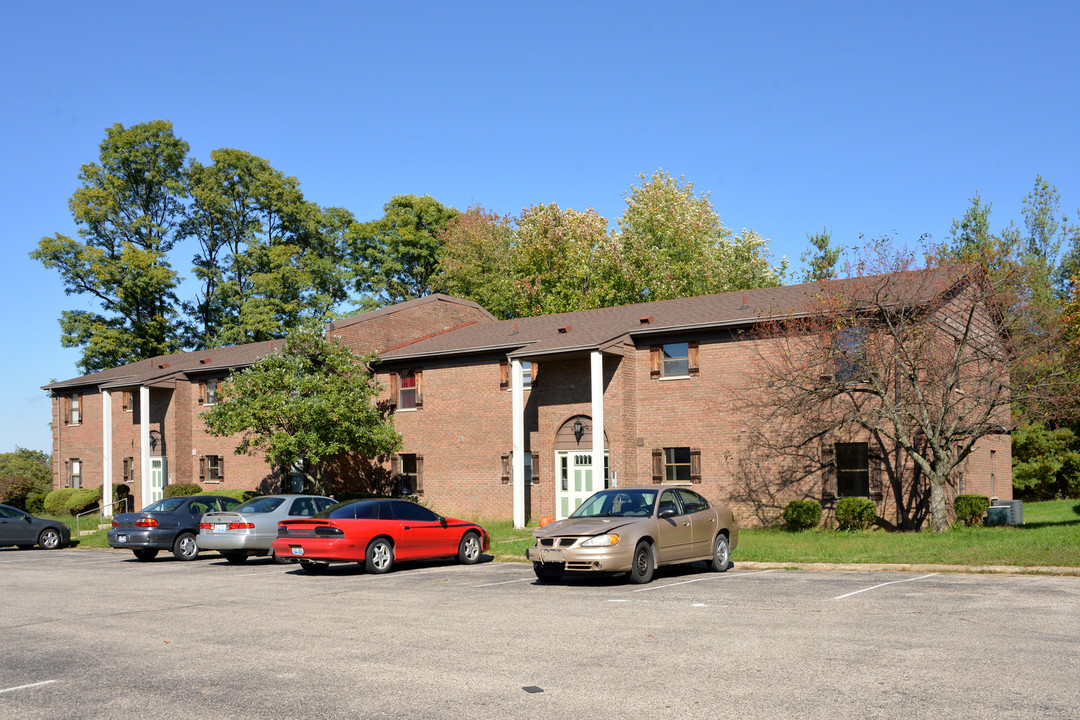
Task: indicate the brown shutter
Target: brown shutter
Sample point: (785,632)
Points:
(131,466)
(202,392)
(505,468)
(692,357)
(419,375)
(394,388)
(124,402)
(419,474)
(536,466)
(504,374)
(877,477)
(395,465)
(221,467)
(654,362)
(202,467)
(657,466)
(695,465)
(828,468)
(65,407)
(127,468)
(535,367)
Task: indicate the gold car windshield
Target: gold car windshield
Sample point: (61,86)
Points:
(618,503)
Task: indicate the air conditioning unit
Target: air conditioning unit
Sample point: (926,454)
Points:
(1016,510)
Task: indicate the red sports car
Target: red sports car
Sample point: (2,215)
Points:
(377,533)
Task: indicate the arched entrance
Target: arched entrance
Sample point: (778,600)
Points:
(574,479)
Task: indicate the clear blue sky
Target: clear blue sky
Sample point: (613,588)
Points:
(871,118)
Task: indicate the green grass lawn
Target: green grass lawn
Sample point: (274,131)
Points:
(1050,536)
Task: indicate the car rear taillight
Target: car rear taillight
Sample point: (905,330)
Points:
(323,531)
(204,526)
(115,523)
(146,522)
(241,526)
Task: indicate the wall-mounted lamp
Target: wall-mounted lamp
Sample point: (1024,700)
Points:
(579,429)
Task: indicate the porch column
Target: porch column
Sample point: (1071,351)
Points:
(517,458)
(597,377)
(106,451)
(144,442)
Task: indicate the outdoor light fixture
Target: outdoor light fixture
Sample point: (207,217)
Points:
(579,429)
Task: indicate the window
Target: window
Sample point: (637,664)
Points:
(211,392)
(676,361)
(528,468)
(411,511)
(669,502)
(692,502)
(212,468)
(75,466)
(409,394)
(677,464)
(850,360)
(75,409)
(852,470)
(129,470)
(410,471)
(526,371)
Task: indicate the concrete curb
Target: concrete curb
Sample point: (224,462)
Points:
(913,567)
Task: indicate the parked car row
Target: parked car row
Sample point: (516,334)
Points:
(629,531)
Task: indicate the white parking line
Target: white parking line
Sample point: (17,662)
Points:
(23,687)
(504,582)
(894,582)
(711,577)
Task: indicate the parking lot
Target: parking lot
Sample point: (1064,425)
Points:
(96,634)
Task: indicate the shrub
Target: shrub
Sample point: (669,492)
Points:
(35,501)
(241,495)
(55,501)
(855,513)
(971,508)
(120,491)
(82,499)
(182,489)
(802,514)
(14,490)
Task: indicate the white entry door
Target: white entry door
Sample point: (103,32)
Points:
(158,467)
(574,481)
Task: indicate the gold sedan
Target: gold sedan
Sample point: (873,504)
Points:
(635,530)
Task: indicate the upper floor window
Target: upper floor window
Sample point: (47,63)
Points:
(528,374)
(74,409)
(210,393)
(849,355)
(408,387)
(673,360)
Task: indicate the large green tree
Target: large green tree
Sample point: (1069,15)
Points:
(304,407)
(820,258)
(397,256)
(267,257)
(476,261)
(126,211)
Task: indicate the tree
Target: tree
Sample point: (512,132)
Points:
(26,463)
(304,407)
(397,256)
(916,359)
(126,210)
(476,261)
(820,258)
(267,257)
(676,246)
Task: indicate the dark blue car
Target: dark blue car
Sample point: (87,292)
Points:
(26,531)
(169,524)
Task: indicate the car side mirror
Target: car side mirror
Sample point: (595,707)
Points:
(668,513)
(442,521)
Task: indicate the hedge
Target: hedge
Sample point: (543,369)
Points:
(82,499)
(55,502)
(241,495)
(802,514)
(971,508)
(182,489)
(855,513)
(35,500)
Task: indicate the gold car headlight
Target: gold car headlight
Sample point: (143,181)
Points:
(602,541)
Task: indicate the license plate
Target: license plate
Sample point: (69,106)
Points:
(121,538)
(220,527)
(297,550)
(552,556)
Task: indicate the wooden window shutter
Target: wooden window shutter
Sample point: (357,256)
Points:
(535,465)
(654,362)
(535,369)
(202,392)
(65,406)
(202,467)
(394,388)
(657,466)
(828,468)
(695,465)
(692,358)
(504,374)
(131,469)
(419,474)
(505,468)
(127,468)
(877,477)
(125,401)
(419,375)
(221,467)
(395,465)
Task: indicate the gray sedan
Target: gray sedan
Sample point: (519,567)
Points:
(251,528)
(25,531)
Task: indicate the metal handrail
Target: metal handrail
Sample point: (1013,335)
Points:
(101,511)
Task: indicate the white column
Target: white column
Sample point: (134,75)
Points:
(144,442)
(517,391)
(597,376)
(106,451)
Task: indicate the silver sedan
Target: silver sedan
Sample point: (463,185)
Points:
(251,528)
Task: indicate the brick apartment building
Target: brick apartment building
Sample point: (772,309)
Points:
(516,418)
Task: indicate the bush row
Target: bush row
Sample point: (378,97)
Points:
(71,500)
(854,513)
